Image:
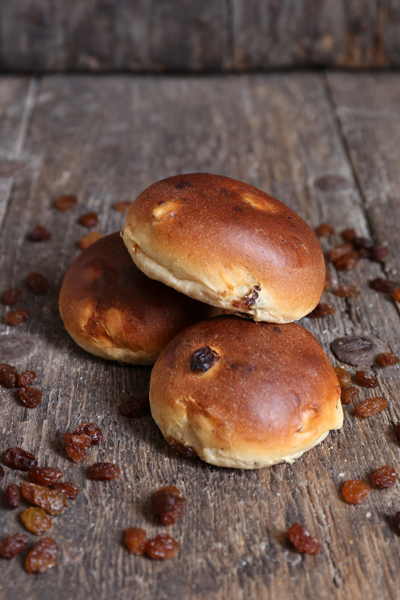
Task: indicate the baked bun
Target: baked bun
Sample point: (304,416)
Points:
(267,394)
(111,309)
(228,244)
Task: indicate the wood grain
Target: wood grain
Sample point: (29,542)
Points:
(105,139)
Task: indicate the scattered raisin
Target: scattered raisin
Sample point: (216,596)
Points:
(362,242)
(387,359)
(45,475)
(176,514)
(52,501)
(92,431)
(385,477)
(355,491)
(343,375)
(30,397)
(162,547)
(42,557)
(349,234)
(13,544)
(26,378)
(40,234)
(182,450)
(379,253)
(36,520)
(16,317)
(104,471)
(203,359)
(69,489)
(11,296)
(2,473)
(19,459)
(396,294)
(164,500)
(13,496)
(8,375)
(65,202)
(380,284)
(302,540)
(349,394)
(89,239)
(340,251)
(75,445)
(136,541)
(38,283)
(325,230)
(347,262)
(396,523)
(347,291)
(122,206)
(136,406)
(321,310)
(366,379)
(364,252)
(328,279)
(371,407)
(89,219)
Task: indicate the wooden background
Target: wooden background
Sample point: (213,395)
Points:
(197,35)
(105,139)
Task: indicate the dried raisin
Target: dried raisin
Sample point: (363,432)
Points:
(347,291)
(11,296)
(349,394)
(136,406)
(387,359)
(19,459)
(340,251)
(75,445)
(92,431)
(385,477)
(122,206)
(349,234)
(40,234)
(45,476)
(380,284)
(8,375)
(136,541)
(378,253)
(321,310)
(38,283)
(65,202)
(26,378)
(325,230)
(42,557)
(89,219)
(16,317)
(162,547)
(347,262)
(355,491)
(203,359)
(371,407)
(36,520)
(362,242)
(396,294)
(104,471)
(182,450)
(343,376)
(248,299)
(29,396)
(13,496)
(13,544)
(176,514)
(89,239)
(163,501)
(366,379)
(69,489)
(328,279)
(53,502)
(302,540)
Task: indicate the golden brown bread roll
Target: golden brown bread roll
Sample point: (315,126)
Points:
(267,394)
(228,244)
(112,310)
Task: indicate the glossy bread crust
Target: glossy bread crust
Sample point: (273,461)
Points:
(112,310)
(272,394)
(228,244)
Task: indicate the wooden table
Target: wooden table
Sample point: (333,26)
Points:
(106,139)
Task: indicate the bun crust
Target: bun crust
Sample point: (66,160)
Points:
(112,310)
(271,395)
(228,244)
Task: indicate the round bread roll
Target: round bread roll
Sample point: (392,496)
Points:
(244,394)
(228,244)
(112,310)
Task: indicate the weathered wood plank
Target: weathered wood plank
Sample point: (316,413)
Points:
(106,139)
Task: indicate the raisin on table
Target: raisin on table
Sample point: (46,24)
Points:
(122,206)
(347,262)
(328,279)
(387,359)
(26,378)
(45,476)
(13,544)
(65,202)
(13,496)
(343,376)
(362,242)
(355,491)
(340,251)
(75,445)
(36,520)
(89,239)
(380,284)
(182,450)
(379,253)
(29,396)
(89,219)
(325,230)
(104,471)
(347,291)
(203,359)
(396,294)
(371,407)
(136,541)
(135,407)
(366,379)
(53,502)
(385,477)
(176,514)
(164,500)
(302,540)
(16,317)
(38,283)
(8,375)
(162,547)
(349,394)
(42,557)
(69,489)
(321,310)
(11,296)
(17,458)
(40,234)
(349,234)
(92,431)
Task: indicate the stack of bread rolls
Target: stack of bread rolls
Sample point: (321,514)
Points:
(248,388)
